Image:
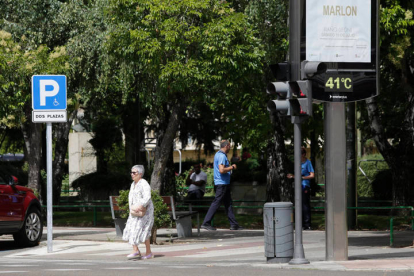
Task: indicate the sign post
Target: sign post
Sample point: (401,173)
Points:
(49,101)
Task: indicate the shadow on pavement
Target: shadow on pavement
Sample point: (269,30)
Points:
(8,245)
(206,236)
(68,234)
(382,256)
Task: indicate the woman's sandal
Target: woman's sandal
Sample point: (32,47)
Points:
(136,255)
(149,256)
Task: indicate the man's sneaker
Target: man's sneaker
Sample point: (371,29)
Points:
(236,227)
(306,228)
(208,227)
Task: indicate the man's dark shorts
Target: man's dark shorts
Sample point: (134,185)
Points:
(196,194)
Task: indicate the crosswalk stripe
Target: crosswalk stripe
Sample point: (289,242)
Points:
(63,269)
(7,272)
(125,268)
(18,265)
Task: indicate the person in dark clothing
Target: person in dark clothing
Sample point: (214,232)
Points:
(308,173)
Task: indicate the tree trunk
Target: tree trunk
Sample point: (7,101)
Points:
(133,129)
(164,145)
(32,133)
(279,188)
(61,132)
(101,162)
(168,184)
(153,238)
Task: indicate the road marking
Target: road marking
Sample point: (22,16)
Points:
(66,247)
(125,268)
(181,266)
(76,263)
(62,269)
(6,272)
(226,252)
(18,265)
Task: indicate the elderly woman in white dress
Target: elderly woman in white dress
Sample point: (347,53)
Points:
(138,229)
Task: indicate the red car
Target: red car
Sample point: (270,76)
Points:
(20,212)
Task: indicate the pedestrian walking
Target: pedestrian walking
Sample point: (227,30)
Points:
(222,171)
(141,215)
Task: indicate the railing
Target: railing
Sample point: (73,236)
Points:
(95,215)
(246,207)
(85,202)
(322,207)
(391,219)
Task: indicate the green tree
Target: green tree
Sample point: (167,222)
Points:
(20,63)
(46,34)
(189,52)
(270,20)
(390,119)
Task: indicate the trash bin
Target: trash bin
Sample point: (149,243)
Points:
(278,231)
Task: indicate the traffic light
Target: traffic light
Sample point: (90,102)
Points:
(302,98)
(308,69)
(294,98)
(282,91)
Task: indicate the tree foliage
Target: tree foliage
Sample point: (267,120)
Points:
(39,33)
(188,52)
(389,118)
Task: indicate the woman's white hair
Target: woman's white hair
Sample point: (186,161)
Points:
(139,168)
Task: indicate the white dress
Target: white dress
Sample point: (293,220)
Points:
(138,229)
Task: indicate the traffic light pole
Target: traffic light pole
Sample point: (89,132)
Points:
(295,16)
(298,253)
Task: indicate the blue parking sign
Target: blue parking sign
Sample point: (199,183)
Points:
(49,92)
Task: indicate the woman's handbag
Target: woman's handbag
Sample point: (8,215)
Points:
(137,211)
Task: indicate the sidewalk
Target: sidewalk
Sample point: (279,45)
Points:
(367,250)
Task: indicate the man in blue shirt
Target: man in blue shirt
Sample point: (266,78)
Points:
(307,174)
(222,172)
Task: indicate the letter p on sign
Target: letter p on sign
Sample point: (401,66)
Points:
(49,92)
(44,93)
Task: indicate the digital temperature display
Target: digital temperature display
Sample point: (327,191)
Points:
(339,83)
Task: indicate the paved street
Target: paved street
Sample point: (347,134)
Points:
(97,251)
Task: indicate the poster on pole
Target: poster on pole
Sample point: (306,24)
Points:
(338,30)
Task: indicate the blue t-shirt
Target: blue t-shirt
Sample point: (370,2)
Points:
(306,170)
(221,159)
